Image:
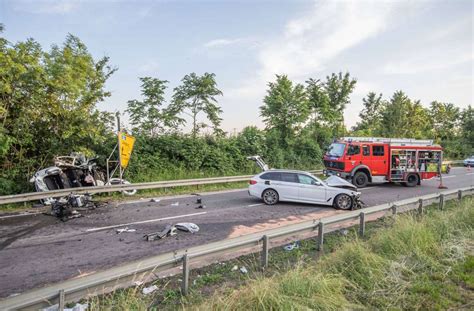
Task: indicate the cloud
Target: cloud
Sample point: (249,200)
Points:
(47,6)
(308,42)
(218,43)
(150,66)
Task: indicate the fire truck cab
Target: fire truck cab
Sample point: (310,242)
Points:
(364,160)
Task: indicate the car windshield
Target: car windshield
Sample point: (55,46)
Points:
(336,150)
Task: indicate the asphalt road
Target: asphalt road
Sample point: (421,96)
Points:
(36,250)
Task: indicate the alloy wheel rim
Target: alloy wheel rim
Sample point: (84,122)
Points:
(343,202)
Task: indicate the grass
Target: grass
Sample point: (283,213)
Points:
(403,263)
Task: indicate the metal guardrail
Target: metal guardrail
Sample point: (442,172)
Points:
(32,196)
(105,281)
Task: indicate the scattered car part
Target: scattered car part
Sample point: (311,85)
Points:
(149,290)
(187,227)
(292,246)
(159,235)
(126,229)
(243,270)
(201,206)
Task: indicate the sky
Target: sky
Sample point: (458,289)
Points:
(424,48)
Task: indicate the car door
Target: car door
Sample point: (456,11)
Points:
(288,186)
(310,190)
(380,164)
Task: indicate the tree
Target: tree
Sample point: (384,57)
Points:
(147,116)
(371,115)
(285,107)
(328,100)
(197,94)
(467,131)
(48,105)
(445,119)
(338,88)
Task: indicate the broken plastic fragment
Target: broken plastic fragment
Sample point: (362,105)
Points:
(187,226)
(156,200)
(235,268)
(175,204)
(292,246)
(126,229)
(243,270)
(149,290)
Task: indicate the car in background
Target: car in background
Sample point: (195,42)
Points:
(275,185)
(469,161)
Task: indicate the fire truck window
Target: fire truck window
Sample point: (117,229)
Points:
(378,151)
(353,150)
(366,150)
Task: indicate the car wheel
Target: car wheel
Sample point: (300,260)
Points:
(412,180)
(360,179)
(343,201)
(270,197)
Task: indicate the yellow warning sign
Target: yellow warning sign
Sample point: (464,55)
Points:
(125,148)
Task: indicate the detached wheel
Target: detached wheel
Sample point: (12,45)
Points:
(343,201)
(270,197)
(360,180)
(412,180)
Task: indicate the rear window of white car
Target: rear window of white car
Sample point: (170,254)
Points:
(271,176)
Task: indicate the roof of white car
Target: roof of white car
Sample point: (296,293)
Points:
(286,171)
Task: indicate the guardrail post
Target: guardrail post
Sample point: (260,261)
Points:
(265,252)
(394,209)
(320,236)
(420,207)
(459,195)
(185,281)
(362,224)
(441,201)
(61,302)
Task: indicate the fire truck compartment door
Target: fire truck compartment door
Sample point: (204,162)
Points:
(380,163)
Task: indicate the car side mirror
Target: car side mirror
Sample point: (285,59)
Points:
(315,183)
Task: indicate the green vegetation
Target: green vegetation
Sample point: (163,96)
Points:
(48,107)
(407,262)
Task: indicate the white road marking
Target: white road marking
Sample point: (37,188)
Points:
(469,173)
(19,215)
(144,221)
(252,205)
(452,176)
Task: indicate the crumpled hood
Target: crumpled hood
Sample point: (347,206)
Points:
(335,181)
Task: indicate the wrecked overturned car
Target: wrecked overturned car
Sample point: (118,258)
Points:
(71,172)
(275,185)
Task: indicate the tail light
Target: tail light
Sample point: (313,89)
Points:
(252,182)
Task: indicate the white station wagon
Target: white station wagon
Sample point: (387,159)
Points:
(299,186)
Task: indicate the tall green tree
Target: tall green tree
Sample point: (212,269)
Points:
(48,105)
(467,131)
(147,116)
(197,94)
(371,115)
(445,119)
(285,108)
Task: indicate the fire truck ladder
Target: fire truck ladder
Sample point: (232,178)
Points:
(392,141)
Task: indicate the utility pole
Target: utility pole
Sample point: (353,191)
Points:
(117,114)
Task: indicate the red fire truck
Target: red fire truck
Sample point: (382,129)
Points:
(364,160)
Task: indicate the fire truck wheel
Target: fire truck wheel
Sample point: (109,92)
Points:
(360,179)
(343,201)
(412,180)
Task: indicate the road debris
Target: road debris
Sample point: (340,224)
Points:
(169,230)
(175,204)
(292,246)
(149,290)
(138,283)
(234,268)
(187,227)
(77,307)
(126,229)
(243,270)
(155,200)
(201,206)
(198,201)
